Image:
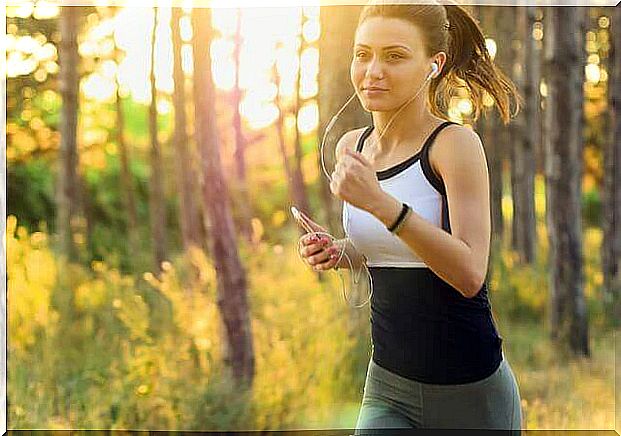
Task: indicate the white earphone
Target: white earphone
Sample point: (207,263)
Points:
(434,70)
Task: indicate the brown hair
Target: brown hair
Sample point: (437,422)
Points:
(453,30)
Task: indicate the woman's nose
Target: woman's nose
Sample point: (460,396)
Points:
(375,69)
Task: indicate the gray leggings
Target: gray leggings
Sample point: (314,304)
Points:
(393,401)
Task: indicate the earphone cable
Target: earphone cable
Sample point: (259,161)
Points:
(333,120)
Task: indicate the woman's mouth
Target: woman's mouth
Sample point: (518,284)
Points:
(372,90)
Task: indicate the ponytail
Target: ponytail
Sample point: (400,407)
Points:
(470,65)
(452,30)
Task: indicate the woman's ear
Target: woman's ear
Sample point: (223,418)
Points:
(440,60)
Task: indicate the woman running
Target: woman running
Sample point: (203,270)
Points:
(416,206)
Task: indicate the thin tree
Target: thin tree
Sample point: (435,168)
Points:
(156,198)
(3,274)
(281,134)
(231,277)
(611,246)
(67,182)
(242,197)
(517,127)
(564,51)
(523,162)
(491,131)
(188,209)
(127,184)
(504,56)
(299,189)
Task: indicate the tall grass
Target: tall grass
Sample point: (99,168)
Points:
(90,347)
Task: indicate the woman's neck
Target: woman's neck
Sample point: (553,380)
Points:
(411,124)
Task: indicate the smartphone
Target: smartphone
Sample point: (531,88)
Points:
(296,214)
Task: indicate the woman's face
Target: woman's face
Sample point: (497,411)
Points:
(389,63)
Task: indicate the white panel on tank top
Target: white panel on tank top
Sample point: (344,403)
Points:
(370,236)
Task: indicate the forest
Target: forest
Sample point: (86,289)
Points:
(152,157)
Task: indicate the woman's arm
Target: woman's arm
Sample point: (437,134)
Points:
(459,258)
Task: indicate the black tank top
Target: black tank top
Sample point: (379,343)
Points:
(424,329)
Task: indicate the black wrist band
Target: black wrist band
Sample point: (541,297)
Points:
(402,215)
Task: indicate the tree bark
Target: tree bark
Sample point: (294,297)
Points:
(3,272)
(280,133)
(299,189)
(231,287)
(293,172)
(494,150)
(188,210)
(516,128)
(127,183)
(611,204)
(156,199)
(492,140)
(523,167)
(564,33)
(67,182)
(504,27)
(242,196)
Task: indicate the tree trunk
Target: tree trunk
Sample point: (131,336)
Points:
(299,189)
(127,183)
(338,24)
(231,277)
(293,172)
(564,33)
(62,299)
(503,24)
(280,132)
(494,150)
(523,167)
(67,183)
(532,115)
(517,127)
(3,272)
(492,140)
(188,210)
(156,200)
(538,69)
(611,204)
(242,196)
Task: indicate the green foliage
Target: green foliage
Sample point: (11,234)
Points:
(148,353)
(93,347)
(519,289)
(127,353)
(136,118)
(30,193)
(121,353)
(592,208)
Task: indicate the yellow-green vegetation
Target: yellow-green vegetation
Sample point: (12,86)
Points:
(558,391)
(147,353)
(90,347)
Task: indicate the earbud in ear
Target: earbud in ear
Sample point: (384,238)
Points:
(434,70)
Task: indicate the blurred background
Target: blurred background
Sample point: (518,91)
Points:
(152,157)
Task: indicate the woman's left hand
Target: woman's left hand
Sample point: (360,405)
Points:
(354,181)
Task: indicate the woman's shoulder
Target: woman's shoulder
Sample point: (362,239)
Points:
(348,141)
(455,131)
(455,143)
